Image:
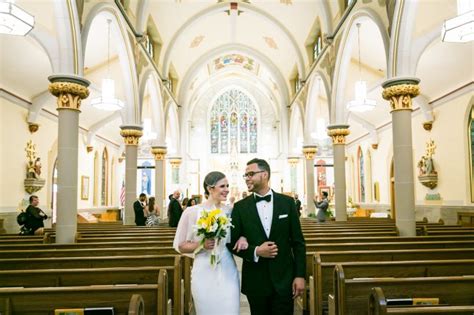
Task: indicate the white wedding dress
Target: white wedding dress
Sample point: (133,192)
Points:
(215,289)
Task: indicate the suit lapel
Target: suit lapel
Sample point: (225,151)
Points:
(255,217)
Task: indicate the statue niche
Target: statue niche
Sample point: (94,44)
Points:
(33,182)
(427,174)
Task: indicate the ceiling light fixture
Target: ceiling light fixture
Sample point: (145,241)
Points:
(460,29)
(107,100)
(14,20)
(360,103)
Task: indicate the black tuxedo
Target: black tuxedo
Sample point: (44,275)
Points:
(138,208)
(269,275)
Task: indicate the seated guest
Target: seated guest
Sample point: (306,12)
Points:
(34,224)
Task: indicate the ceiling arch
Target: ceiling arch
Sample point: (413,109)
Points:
(219,7)
(204,59)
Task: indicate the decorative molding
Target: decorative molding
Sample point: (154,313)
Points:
(131,134)
(33,127)
(159,152)
(293,160)
(310,151)
(69,89)
(338,133)
(175,162)
(400,91)
(428,125)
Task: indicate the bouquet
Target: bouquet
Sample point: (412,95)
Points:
(212,225)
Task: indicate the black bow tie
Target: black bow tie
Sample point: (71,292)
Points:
(267,198)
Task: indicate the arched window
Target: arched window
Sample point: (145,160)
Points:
(317,46)
(471,147)
(104,179)
(96,179)
(361,176)
(233,122)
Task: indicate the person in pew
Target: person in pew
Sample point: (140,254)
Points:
(322,205)
(191,202)
(298,205)
(34,224)
(274,263)
(184,203)
(174,209)
(139,209)
(215,287)
(153,218)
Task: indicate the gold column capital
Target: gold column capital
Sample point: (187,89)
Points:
(69,89)
(175,162)
(131,134)
(400,91)
(338,133)
(293,160)
(159,152)
(309,151)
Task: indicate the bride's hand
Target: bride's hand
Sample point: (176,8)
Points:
(241,244)
(209,243)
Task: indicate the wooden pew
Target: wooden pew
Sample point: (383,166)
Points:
(355,292)
(378,306)
(323,274)
(99,276)
(43,300)
(86,262)
(105,244)
(85,252)
(320,284)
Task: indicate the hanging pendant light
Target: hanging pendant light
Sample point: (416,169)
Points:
(14,20)
(460,29)
(107,100)
(360,103)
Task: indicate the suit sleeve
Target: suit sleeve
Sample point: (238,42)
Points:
(236,233)
(297,243)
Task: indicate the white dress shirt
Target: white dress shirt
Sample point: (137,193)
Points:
(265,212)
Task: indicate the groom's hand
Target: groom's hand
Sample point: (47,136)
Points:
(267,250)
(298,287)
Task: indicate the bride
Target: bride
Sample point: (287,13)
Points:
(215,289)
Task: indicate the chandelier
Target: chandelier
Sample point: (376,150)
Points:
(360,103)
(460,29)
(14,20)
(107,100)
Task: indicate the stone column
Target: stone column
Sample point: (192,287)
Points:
(309,152)
(293,161)
(400,91)
(338,134)
(70,91)
(131,135)
(159,152)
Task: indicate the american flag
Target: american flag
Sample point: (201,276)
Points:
(122,194)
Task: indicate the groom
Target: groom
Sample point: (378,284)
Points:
(274,263)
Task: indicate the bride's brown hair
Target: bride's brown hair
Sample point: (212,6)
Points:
(211,180)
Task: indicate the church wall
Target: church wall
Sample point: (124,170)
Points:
(450,161)
(14,135)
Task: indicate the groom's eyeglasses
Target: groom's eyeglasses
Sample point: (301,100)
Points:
(251,174)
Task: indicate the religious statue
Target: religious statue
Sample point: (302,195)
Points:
(427,173)
(33,182)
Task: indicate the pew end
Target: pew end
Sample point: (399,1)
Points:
(137,305)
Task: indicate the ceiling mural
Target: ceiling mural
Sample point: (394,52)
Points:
(233,60)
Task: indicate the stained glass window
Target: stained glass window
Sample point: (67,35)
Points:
(233,123)
(105,174)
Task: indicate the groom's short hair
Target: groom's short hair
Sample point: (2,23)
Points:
(262,165)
